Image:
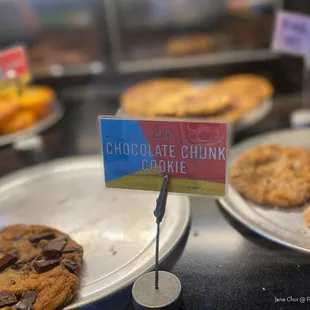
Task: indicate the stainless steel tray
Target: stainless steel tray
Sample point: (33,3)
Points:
(52,118)
(116,227)
(248,120)
(284,226)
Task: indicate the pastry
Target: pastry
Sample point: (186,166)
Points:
(39,268)
(228,99)
(36,99)
(189,45)
(148,98)
(247,85)
(19,121)
(7,109)
(272,175)
(205,102)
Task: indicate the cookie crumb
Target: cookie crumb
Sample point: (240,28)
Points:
(113,251)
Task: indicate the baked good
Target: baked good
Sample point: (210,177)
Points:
(148,98)
(7,109)
(19,121)
(39,266)
(204,102)
(36,99)
(226,100)
(247,85)
(273,175)
(189,45)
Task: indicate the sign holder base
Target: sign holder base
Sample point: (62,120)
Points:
(158,289)
(166,297)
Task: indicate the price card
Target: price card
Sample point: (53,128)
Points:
(292,33)
(138,153)
(14,60)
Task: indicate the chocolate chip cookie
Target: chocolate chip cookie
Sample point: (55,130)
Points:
(148,98)
(272,175)
(203,102)
(39,268)
(248,86)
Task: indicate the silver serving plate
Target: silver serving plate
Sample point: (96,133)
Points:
(116,227)
(282,225)
(250,119)
(56,113)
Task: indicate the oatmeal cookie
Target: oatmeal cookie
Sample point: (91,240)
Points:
(39,267)
(273,175)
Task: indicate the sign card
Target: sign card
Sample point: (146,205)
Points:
(292,33)
(14,60)
(138,153)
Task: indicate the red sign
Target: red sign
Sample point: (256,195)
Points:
(138,153)
(14,64)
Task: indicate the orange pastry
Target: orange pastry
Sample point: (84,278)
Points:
(7,109)
(33,98)
(19,121)
(37,99)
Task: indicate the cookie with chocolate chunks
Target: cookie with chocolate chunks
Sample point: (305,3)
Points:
(38,277)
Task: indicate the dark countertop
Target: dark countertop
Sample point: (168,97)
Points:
(221,264)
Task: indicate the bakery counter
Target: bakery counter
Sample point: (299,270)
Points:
(221,264)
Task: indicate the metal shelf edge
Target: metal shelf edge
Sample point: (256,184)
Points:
(127,66)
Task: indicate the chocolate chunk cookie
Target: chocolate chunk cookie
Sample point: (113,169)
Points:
(39,268)
(273,176)
(149,98)
(247,85)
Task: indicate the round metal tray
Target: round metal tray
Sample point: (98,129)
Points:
(116,227)
(250,119)
(285,226)
(52,118)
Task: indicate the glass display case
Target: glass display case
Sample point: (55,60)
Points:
(63,37)
(163,34)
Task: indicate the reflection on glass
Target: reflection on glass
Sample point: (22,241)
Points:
(173,28)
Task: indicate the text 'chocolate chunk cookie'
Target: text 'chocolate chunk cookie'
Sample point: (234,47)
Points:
(36,275)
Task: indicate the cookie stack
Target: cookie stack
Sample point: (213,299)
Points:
(228,99)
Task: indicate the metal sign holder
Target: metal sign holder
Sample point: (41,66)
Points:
(158,289)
